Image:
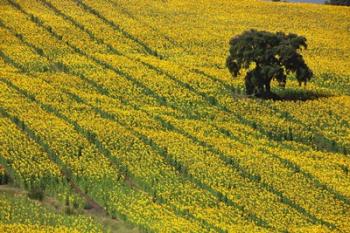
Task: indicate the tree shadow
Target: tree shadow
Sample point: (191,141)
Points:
(287,95)
(299,95)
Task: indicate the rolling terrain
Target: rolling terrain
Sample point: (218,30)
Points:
(128,105)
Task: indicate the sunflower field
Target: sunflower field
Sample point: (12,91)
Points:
(130,102)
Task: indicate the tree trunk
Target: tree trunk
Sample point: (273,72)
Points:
(249,87)
(268,88)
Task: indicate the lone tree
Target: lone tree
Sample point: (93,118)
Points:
(267,56)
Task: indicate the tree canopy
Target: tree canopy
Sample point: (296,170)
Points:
(267,56)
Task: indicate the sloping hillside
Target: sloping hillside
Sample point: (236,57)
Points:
(130,100)
(18,214)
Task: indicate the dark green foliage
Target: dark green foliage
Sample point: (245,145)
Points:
(345,169)
(36,193)
(88,206)
(339,2)
(76,204)
(212,100)
(4,179)
(267,56)
(69,211)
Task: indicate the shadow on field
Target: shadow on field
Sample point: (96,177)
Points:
(300,95)
(285,95)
